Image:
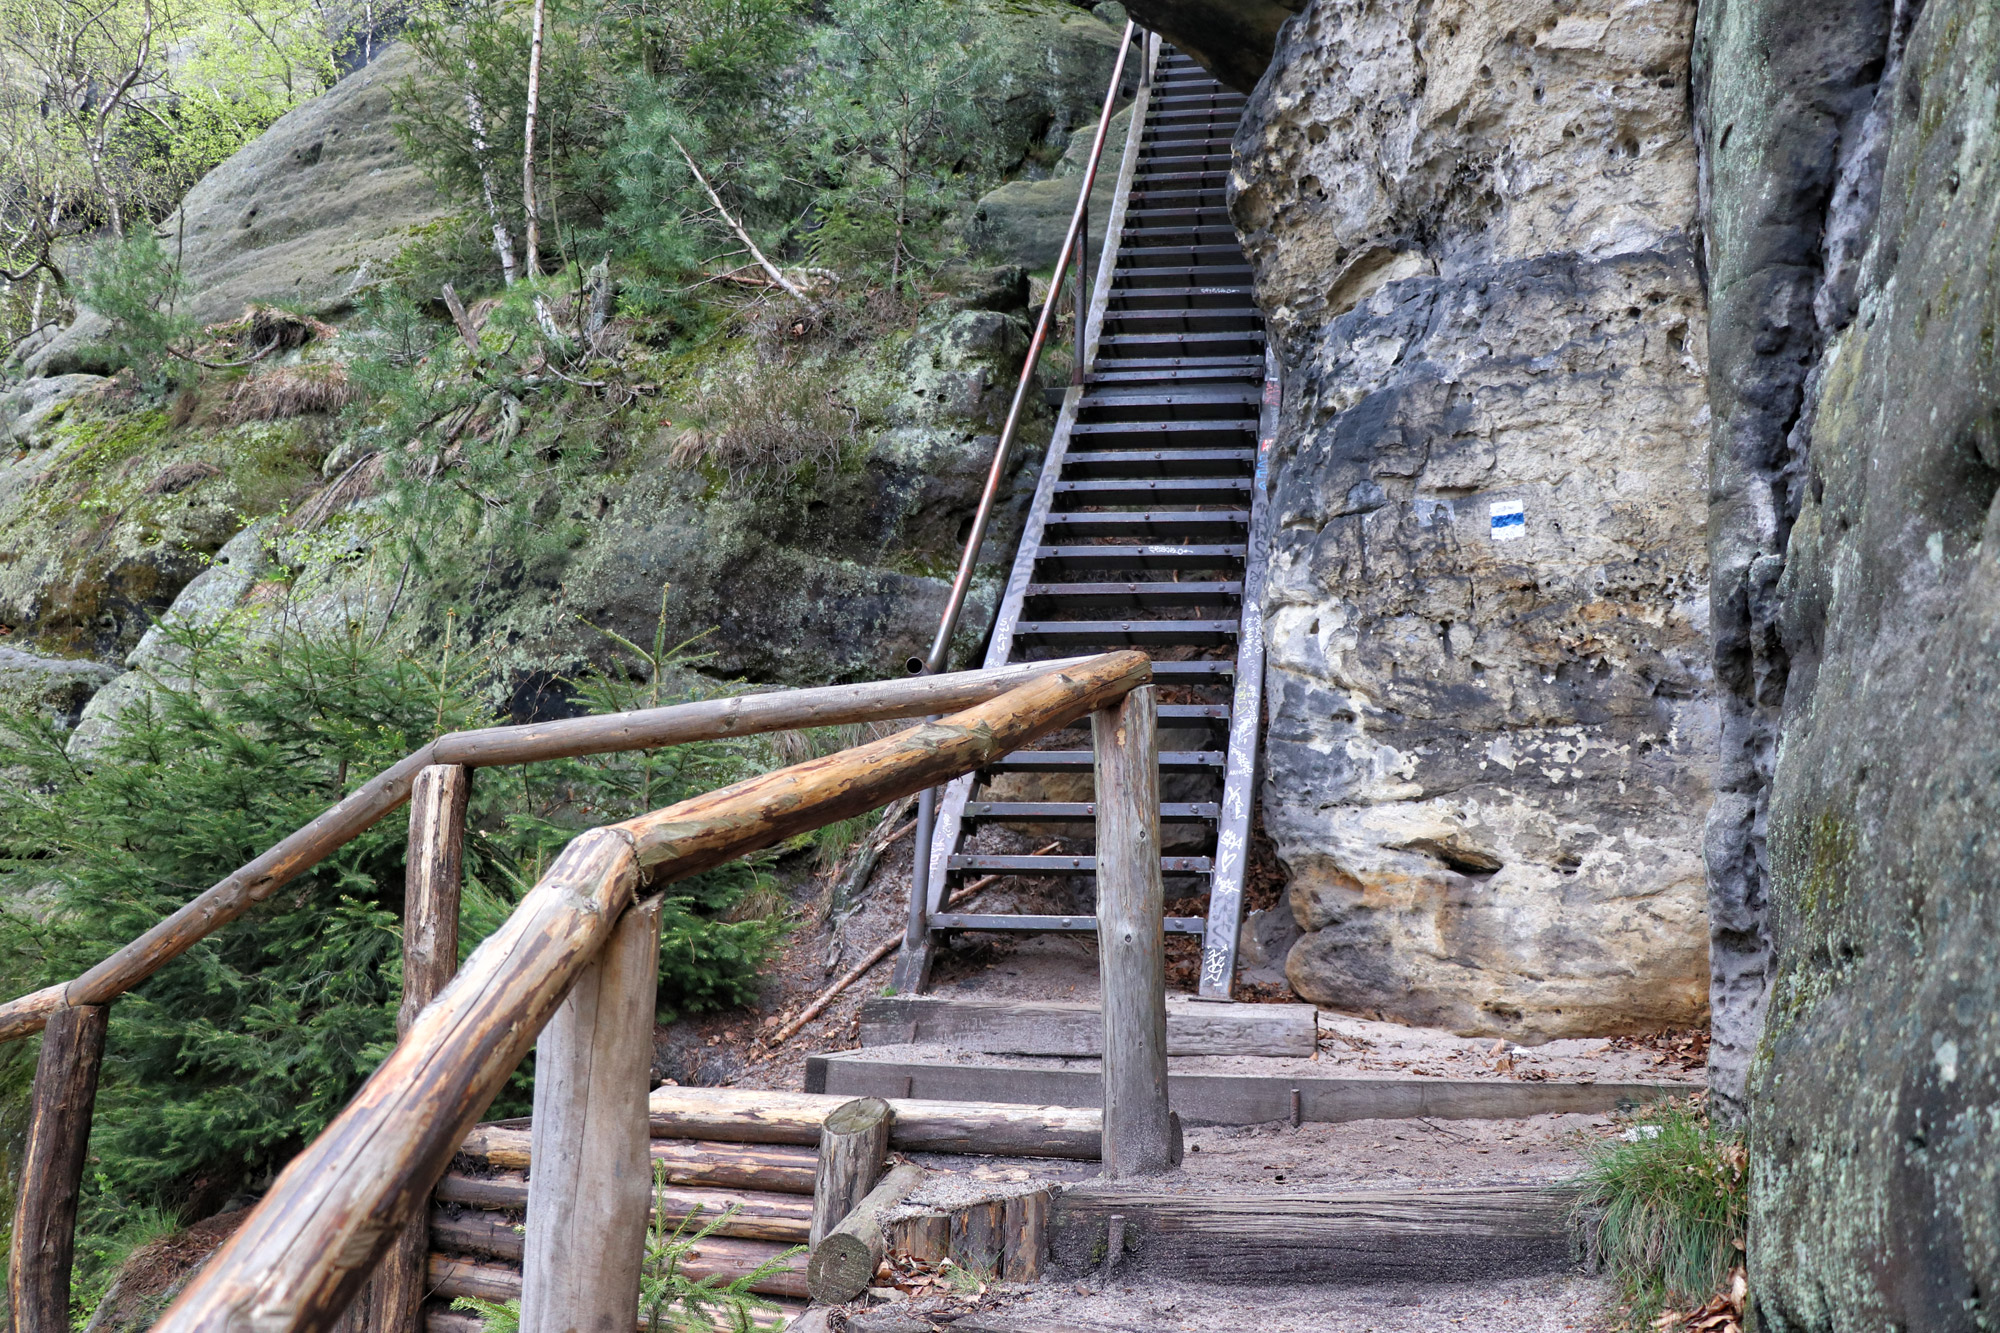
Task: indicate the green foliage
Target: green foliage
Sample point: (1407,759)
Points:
(135,285)
(1665,1206)
(904,103)
(670,1300)
(227,1061)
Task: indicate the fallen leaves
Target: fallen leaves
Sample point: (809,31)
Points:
(1722,1314)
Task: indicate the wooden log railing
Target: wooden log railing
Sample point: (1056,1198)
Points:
(356,1193)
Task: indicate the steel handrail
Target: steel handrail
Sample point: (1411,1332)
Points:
(968,561)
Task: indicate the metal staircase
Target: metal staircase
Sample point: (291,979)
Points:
(1146,528)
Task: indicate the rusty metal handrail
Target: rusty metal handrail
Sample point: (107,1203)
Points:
(1075,240)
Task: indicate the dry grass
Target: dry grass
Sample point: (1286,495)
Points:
(266,329)
(289,391)
(767,427)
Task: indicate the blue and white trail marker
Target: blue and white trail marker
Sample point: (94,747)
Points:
(1510,520)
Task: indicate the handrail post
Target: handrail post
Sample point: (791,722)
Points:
(590,1188)
(433,874)
(1141,1137)
(64,1097)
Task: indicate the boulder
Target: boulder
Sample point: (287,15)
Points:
(37,402)
(1491,722)
(55,687)
(1875,1187)
(306,213)
(1024,221)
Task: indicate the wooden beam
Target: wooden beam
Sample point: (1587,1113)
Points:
(844,1262)
(1050,1027)
(1259,1236)
(60,1107)
(1236,1099)
(592,1183)
(704,832)
(783,1169)
(759,1214)
(453,1275)
(1140,1137)
(741,715)
(434,867)
(757,1116)
(853,1148)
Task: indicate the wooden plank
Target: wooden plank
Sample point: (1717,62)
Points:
(741,715)
(746,1115)
(843,1263)
(1049,1027)
(757,1215)
(61,1102)
(1238,1099)
(1375,1236)
(853,1148)
(434,865)
(1140,1137)
(591,1187)
(783,1169)
(1026,1230)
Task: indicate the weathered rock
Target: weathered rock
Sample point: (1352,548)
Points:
(54,687)
(1024,221)
(1490,727)
(308,212)
(1875,1188)
(1787,104)
(1233,39)
(37,403)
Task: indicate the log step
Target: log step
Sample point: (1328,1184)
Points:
(785,1170)
(755,1116)
(1450,1235)
(759,1215)
(1043,1027)
(726,1259)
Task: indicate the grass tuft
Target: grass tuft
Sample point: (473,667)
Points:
(320,387)
(1663,1206)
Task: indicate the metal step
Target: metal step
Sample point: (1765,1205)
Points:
(1083,559)
(1133,596)
(1168,276)
(1243,319)
(1085,761)
(1183,298)
(1163,434)
(1208,402)
(1106,634)
(1036,925)
(1161,463)
(1115,345)
(1154,492)
(1167,256)
(1189,524)
(1065,865)
(1060,812)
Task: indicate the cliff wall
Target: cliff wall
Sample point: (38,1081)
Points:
(1492,721)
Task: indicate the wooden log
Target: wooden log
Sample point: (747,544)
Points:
(1131,949)
(739,715)
(434,865)
(979,1238)
(474,1232)
(1053,1027)
(779,1168)
(650,728)
(60,1106)
(704,832)
(440,1320)
(453,1275)
(302,1255)
(756,1116)
(592,1183)
(853,1148)
(1260,1236)
(843,1264)
(1026,1228)
(757,1214)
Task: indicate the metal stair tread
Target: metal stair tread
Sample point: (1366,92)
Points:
(1038,925)
(1067,865)
(1028,812)
(1065,761)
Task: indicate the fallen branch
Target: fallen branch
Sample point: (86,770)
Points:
(460,318)
(881,951)
(791,288)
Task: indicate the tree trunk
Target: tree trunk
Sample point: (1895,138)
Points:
(843,1264)
(475,120)
(853,1145)
(532,265)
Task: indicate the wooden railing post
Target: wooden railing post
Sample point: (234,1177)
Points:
(433,875)
(1140,1136)
(591,1186)
(65,1092)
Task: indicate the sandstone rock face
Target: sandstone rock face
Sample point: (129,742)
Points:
(1875,1188)
(1232,39)
(1793,133)
(1491,722)
(53,686)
